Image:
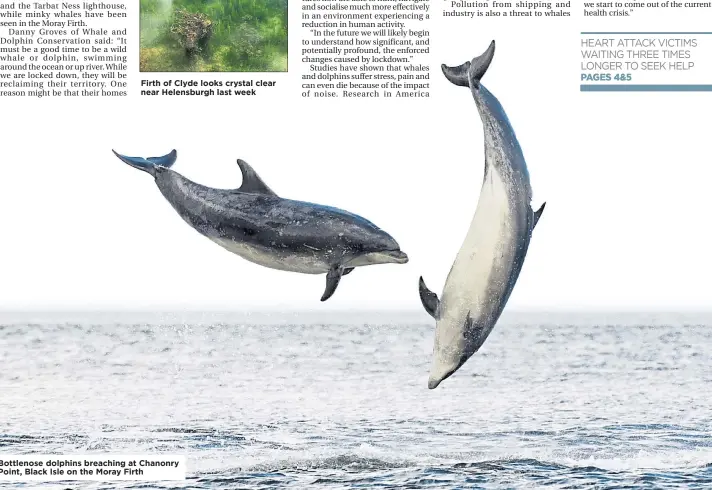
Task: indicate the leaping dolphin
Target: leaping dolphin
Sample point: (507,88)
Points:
(489,261)
(256,224)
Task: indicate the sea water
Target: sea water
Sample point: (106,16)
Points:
(340,400)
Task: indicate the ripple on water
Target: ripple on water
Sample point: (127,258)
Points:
(567,402)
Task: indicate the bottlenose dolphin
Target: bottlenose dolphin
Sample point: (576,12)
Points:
(256,224)
(487,266)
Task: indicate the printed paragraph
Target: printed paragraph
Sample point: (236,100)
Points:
(376,48)
(62,49)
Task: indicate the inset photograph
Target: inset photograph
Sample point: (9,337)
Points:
(213,36)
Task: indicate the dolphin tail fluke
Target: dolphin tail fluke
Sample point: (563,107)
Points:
(471,72)
(149,164)
(457,74)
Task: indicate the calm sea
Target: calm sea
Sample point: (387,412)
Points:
(340,400)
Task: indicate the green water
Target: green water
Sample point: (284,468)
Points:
(247,35)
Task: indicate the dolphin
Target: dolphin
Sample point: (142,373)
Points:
(488,264)
(256,224)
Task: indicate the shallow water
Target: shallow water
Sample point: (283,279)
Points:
(341,400)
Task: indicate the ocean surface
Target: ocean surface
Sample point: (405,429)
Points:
(340,400)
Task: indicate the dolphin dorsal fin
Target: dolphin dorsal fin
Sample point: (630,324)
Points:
(537,215)
(430,300)
(251,182)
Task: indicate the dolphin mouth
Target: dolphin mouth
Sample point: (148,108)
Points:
(382,257)
(434,381)
(398,256)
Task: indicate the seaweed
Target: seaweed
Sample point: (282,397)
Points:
(192,29)
(213,35)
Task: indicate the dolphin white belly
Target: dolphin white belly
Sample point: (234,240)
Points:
(304,264)
(484,255)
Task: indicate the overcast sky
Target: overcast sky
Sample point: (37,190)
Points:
(626,178)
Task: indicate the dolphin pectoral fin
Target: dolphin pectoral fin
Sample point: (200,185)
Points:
(537,215)
(348,270)
(332,281)
(251,182)
(430,300)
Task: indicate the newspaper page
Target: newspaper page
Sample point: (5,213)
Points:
(355,243)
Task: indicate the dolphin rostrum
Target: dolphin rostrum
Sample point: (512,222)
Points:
(488,263)
(256,224)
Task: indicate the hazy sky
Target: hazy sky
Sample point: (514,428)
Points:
(625,176)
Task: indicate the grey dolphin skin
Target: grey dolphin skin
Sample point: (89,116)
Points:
(256,224)
(491,257)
